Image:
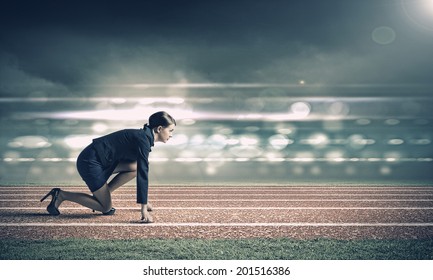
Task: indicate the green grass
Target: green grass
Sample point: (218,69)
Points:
(222,249)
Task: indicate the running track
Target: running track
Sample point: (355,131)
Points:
(302,212)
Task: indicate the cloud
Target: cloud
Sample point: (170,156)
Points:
(17,82)
(203,41)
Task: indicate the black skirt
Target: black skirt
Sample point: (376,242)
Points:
(91,169)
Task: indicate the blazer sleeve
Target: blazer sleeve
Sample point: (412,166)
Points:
(143,171)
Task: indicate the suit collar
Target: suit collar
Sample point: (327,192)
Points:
(149,134)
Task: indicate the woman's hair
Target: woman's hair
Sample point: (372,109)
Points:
(160,119)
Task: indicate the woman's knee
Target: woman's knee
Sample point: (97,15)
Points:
(132,166)
(103,196)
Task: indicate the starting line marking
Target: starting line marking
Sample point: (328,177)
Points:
(138,224)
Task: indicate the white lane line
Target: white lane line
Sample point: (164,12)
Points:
(234,208)
(138,224)
(245,200)
(240,195)
(237,189)
(282,186)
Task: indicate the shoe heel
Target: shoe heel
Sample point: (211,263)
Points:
(45,197)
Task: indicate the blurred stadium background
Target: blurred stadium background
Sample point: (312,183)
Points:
(230,133)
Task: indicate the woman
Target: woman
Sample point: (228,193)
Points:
(124,152)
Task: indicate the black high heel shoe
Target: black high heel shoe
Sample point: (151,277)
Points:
(108,213)
(51,208)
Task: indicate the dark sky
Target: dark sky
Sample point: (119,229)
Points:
(57,46)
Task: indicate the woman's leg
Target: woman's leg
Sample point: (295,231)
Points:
(127,171)
(100,201)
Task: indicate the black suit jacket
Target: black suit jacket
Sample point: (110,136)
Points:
(128,145)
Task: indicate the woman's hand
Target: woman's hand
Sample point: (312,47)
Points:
(145,215)
(149,207)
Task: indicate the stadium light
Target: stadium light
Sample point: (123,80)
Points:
(419,12)
(428,6)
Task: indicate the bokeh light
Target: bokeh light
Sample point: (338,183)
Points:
(78,141)
(279,141)
(30,142)
(275,138)
(383,35)
(300,110)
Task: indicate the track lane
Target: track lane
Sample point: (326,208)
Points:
(343,212)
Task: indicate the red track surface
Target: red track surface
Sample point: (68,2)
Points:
(342,212)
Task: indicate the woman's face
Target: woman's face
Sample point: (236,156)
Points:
(163,134)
